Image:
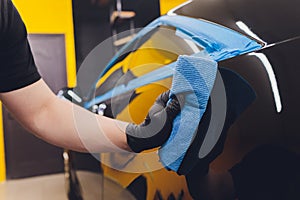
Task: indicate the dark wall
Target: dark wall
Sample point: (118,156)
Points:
(91,21)
(91,26)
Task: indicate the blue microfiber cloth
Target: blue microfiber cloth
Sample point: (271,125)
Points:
(194,76)
(239,95)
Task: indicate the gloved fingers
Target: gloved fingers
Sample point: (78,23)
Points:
(180,97)
(156,108)
(160,103)
(171,106)
(163,98)
(175,104)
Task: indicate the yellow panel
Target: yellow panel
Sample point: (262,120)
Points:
(166,5)
(51,17)
(2,152)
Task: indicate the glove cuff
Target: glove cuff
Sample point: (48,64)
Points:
(136,144)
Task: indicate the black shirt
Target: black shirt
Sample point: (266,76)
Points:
(17,67)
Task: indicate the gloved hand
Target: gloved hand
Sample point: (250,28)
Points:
(157,127)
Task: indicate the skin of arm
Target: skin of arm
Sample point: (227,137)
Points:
(62,123)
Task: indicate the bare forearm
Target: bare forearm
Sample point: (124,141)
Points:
(62,123)
(65,124)
(78,129)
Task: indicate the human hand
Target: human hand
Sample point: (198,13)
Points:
(157,126)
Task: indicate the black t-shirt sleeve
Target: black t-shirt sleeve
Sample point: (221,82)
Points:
(267,173)
(17,67)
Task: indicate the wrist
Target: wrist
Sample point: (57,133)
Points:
(140,137)
(134,143)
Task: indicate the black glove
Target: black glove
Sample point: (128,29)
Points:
(157,127)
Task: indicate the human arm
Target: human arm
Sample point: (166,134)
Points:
(27,96)
(67,125)
(62,123)
(32,103)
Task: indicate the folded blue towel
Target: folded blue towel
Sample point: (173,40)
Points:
(194,76)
